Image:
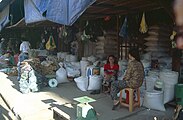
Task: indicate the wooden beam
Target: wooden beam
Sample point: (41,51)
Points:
(166,5)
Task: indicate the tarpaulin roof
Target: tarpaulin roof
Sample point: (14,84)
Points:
(64,12)
(4,3)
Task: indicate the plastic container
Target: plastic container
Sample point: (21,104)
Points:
(92,70)
(179,94)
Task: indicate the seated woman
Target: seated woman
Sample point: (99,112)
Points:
(111,69)
(133,78)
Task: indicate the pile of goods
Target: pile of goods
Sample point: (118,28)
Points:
(13,72)
(158,44)
(10,71)
(28,80)
(106,45)
(158,40)
(160,88)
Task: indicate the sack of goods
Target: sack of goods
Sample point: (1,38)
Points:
(170,79)
(82,83)
(84,65)
(150,82)
(71,58)
(152,97)
(147,66)
(146,56)
(61,75)
(72,68)
(168,76)
(92,59)
(28,80)
(106,46)
(95,82)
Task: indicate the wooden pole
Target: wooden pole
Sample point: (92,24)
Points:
(118,42)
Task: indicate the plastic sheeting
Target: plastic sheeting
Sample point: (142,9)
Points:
(32,14)
(60,11)
(4,17)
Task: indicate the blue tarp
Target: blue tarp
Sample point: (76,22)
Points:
(4,18)
(32,14)
(64,12)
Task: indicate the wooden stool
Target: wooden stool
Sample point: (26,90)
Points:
(132,103)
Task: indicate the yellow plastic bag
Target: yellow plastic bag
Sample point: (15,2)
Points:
(143,25)
(50,45)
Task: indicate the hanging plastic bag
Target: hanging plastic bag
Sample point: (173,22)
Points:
(124,29)
(143,25)
(50,45)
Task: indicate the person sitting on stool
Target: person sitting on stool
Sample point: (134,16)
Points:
(133,78)
(111,69)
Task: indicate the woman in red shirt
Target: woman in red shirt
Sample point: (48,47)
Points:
(111,69)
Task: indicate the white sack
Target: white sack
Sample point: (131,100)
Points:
(82,83)
(146,63)
(102,71)
(84,65)
(150,82)
(61,75)
(168,92)
(73,58)
(154,100)
(146,56)
(92,59)
(72,68)
(168,76)
(95,82)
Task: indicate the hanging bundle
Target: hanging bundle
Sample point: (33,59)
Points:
(50,45)
(172,38)
(143,25)
(124,29)
(173,35)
